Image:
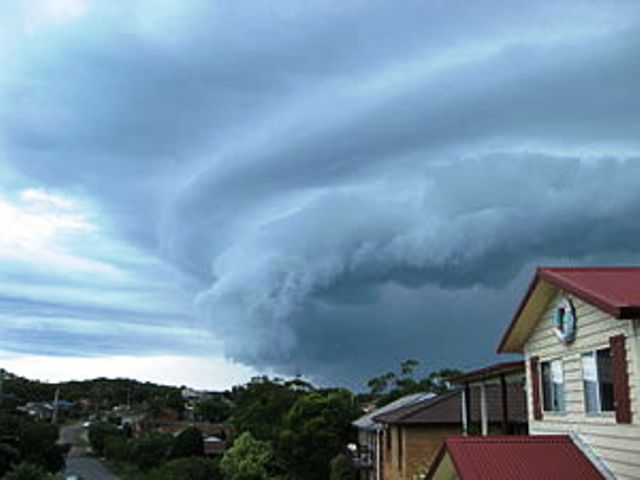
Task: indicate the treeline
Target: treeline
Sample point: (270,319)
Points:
(28,448)
(283,429)
(101,391)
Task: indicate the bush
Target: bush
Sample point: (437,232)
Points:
(98,434)
(152,450)
(38,446)
(28,471)
(118,449)
(340,468)
(195,468)
(189,443)
(8,457)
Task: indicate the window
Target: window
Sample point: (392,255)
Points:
(597,376)
(552,386)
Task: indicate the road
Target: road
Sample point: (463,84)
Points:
(80,462)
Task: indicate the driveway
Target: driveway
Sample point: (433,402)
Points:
(80,462)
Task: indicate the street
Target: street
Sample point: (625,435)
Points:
(80,462)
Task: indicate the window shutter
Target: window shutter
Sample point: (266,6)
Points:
(535,387)
(620,379)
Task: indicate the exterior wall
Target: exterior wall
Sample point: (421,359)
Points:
(368,439)
(419,448)
(618,445)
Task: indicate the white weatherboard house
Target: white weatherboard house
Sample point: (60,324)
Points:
(579,330)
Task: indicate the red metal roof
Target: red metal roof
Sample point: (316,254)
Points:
(615,290)
(536,457)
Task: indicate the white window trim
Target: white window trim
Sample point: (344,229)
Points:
(599,412)
(562,411)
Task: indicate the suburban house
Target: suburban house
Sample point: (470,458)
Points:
(500,393)
(578,330)
(413,434)
(366,458)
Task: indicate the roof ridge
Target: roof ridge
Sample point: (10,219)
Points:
(590,268)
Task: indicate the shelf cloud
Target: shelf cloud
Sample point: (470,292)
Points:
(329,188)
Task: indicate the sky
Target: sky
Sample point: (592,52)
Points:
(195,192)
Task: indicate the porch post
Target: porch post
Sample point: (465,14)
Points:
(483,410)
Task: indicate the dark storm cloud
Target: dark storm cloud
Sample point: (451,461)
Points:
(345,184)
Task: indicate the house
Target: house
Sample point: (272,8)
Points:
(551,457)
(578,329)
(414,433)
(500,394)
(366,458)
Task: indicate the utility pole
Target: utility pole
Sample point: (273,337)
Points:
(56,399)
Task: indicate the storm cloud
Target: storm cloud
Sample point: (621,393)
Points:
(334,187)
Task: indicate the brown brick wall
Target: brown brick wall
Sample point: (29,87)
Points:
(419,447)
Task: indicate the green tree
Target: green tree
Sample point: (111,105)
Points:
(194,468)
(247,459)
(9,456)
(98,434)
(38,445)
(314,431)
(28,471)
(118,448)
(189,443)
(152,450)
(215,409)
(261,404)
(340,468)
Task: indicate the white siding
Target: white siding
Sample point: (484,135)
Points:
(617,445)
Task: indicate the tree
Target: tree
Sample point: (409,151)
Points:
(188,443)
(247,459)
(340,468)
(38,445)
(28,471)
(152,450)
(215,409)
(187,469)
(314,431)
(9,456)
(118,448)
(260,406)
(98,434)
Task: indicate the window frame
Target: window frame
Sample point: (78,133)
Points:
(562,408)
(593,353)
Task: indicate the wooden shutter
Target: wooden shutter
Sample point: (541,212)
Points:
(621,398)
(535,387)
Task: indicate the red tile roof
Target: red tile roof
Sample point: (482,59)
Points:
(615,290)
(537,457)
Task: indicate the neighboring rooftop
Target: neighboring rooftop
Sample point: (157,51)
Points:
(447,408)
(537,457)
(492,371)
(614,290)
(367,422)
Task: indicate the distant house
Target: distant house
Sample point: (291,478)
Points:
(175,427)
(579,330)
(367,459)
(413,434)
(214,446)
